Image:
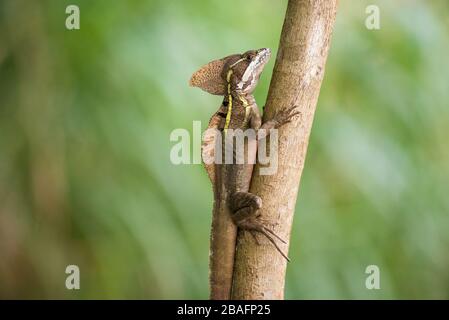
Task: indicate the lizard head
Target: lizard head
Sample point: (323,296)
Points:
(241,71)
(244,73)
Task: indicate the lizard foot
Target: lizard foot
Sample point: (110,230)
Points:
(285,116)
(253,225)
(245,207)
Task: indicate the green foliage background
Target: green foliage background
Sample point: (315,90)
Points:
(85,176)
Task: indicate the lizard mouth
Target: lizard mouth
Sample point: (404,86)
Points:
(255,67)
(263,55)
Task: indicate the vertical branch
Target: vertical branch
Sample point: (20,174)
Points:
(259,271)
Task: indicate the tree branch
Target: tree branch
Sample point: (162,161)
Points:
(259,271)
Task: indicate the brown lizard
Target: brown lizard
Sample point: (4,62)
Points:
(234,77)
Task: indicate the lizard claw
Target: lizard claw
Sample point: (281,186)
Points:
(274,234)
(265,231)
(255,225)
(265,224)
(285,116)
(254,234)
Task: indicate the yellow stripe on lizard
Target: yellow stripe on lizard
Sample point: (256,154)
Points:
(246,105)
(228,115)
(242,99)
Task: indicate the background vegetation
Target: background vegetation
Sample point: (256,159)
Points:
(85,176)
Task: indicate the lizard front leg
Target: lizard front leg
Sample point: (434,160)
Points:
(280,118)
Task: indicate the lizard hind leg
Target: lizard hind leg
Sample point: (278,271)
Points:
(244,205)
(245,214)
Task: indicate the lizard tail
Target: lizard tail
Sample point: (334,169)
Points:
(222,250)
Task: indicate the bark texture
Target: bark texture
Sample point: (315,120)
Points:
(259,271)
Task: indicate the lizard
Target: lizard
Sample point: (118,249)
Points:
(234,77)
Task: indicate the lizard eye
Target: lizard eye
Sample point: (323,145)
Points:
(248,58)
